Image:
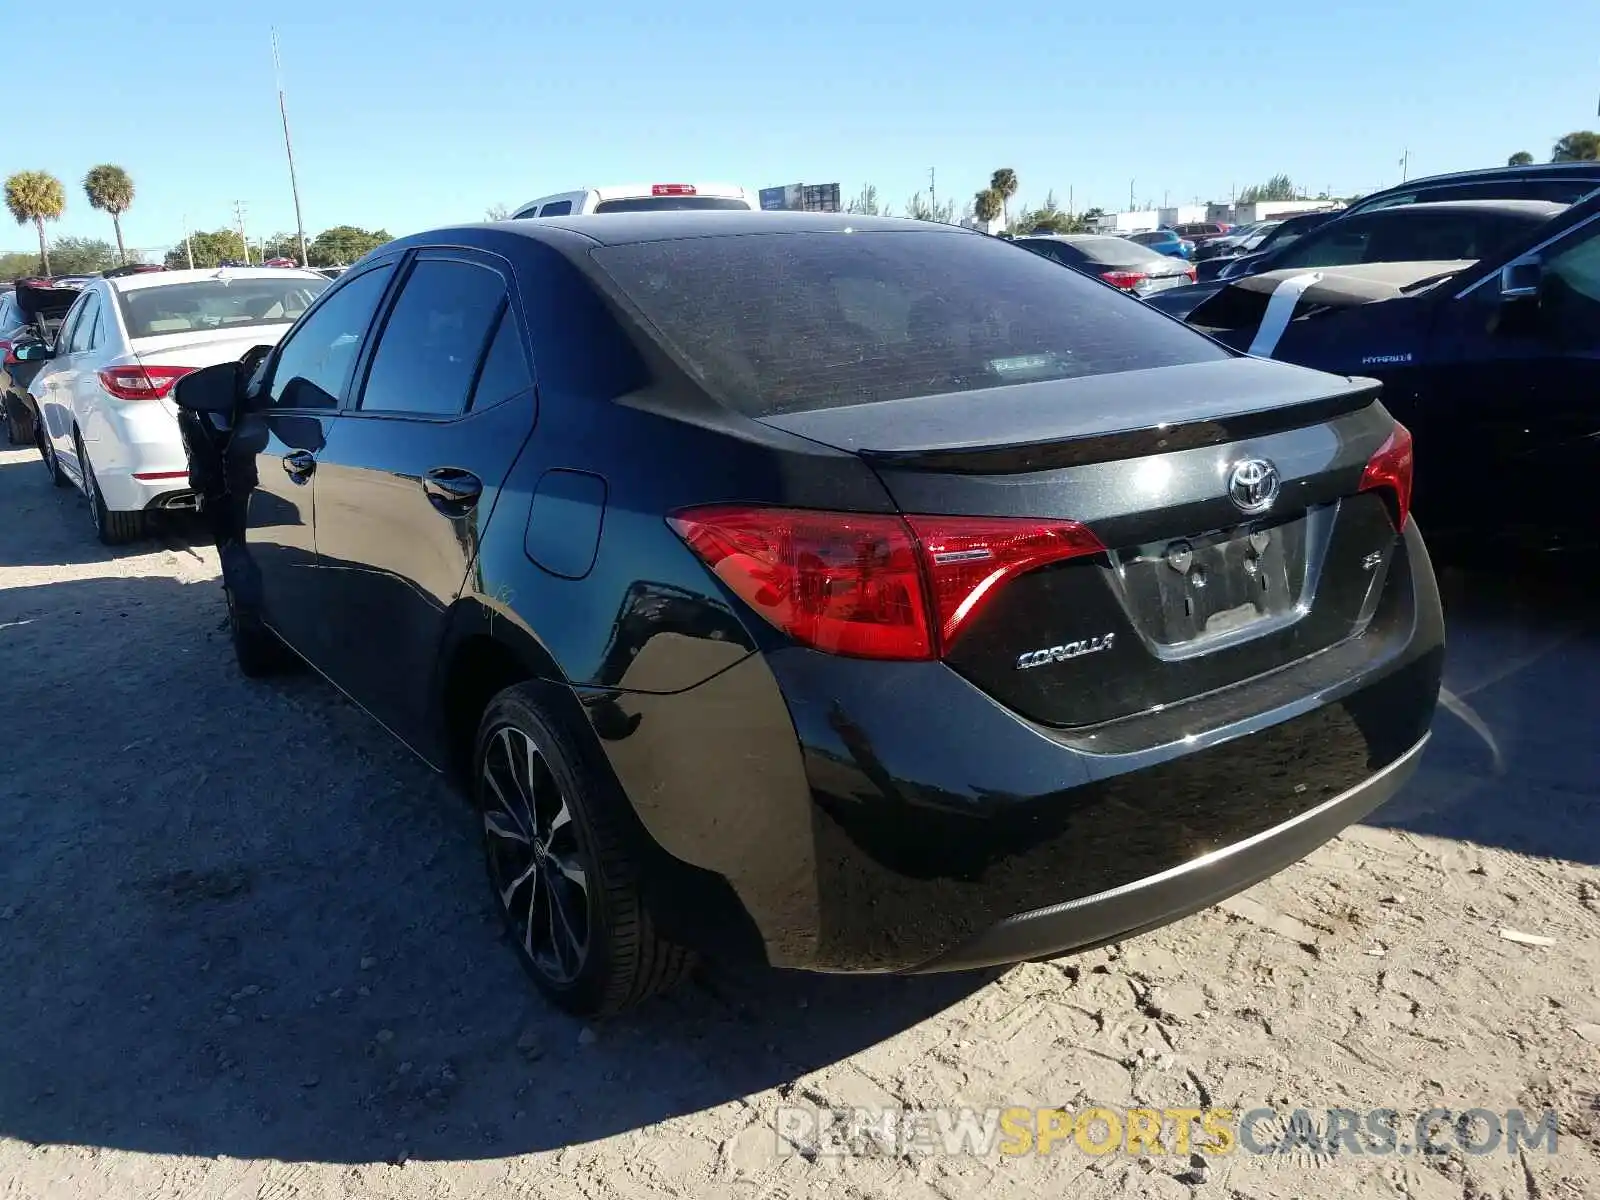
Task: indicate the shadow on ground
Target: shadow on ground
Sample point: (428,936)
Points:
(1515,757)
(236,919)
(60,516)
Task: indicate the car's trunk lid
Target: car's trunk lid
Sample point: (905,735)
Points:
(1193,593)
(203,349)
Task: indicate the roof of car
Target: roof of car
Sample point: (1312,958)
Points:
(1534,208)
(622,228)
(154,279)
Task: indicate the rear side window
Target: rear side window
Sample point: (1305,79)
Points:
(83,329)
(558,208)
(505,368)
(773,322)
(434,339)
(316,360)
(669,203)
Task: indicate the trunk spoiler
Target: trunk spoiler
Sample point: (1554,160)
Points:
(1075,422)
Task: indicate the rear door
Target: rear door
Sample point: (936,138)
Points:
(1516,399)
(410,475)
(59,383)
(310,372)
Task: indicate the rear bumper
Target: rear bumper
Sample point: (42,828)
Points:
(840,815)
(1149,903)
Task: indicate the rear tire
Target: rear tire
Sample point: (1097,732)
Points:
(111,527)
(533,785)
(259,651)
(48,452)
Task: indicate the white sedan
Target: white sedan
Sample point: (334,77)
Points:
(107,421)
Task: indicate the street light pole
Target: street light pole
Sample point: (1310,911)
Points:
(288,149)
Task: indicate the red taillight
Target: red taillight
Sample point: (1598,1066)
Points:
(10,355)
(1390,469)
(672,189)
(1194,274)
(968,558)
(1123,279)
(871,585)
(141,383)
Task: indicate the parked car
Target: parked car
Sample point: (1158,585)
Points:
(1560,183)
(1444,232)
(1233,241)
(1494,364)
(1126,265)
(1557,183)
(1163,241)
(1201,232)
(131,269)
(641,197)
(31,312)
(106,422)
(1286,231)
(841,597)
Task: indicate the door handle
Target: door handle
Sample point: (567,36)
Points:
(299,465)
(451,490)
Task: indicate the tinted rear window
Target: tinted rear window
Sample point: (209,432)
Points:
(216,304)
(669,203)
(1115,251)
(774,323)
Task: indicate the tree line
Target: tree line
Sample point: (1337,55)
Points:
(36,197)
(1582,145)
(987,205)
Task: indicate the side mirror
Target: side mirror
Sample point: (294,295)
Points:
(1521,281)
(25,352)
(213,389)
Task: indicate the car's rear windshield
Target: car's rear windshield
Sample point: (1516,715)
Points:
(775,322)
(1115,251)
(669,203)
(216,304)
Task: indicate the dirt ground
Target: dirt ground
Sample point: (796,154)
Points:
(246,953)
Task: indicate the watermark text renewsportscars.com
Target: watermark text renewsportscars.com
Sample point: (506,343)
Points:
(1377,1132)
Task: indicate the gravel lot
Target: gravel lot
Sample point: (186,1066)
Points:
(246,953)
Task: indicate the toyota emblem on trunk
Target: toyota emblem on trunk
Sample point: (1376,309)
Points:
(1253,485)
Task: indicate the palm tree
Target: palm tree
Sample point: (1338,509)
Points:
(987,205)
(36,196)
(110,190)
(1004,181)
(1520,159)
(1583,146)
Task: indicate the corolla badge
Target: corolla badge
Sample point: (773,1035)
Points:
(1065,651)
(1253,485)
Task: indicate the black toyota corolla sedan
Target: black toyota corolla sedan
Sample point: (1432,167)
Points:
(836,593)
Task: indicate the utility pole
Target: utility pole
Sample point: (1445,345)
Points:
(1405,165)
(238,216)
(294,186)
(1130,195)
(188,246)
(933,195)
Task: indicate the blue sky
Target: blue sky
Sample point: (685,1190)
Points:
(407,115)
